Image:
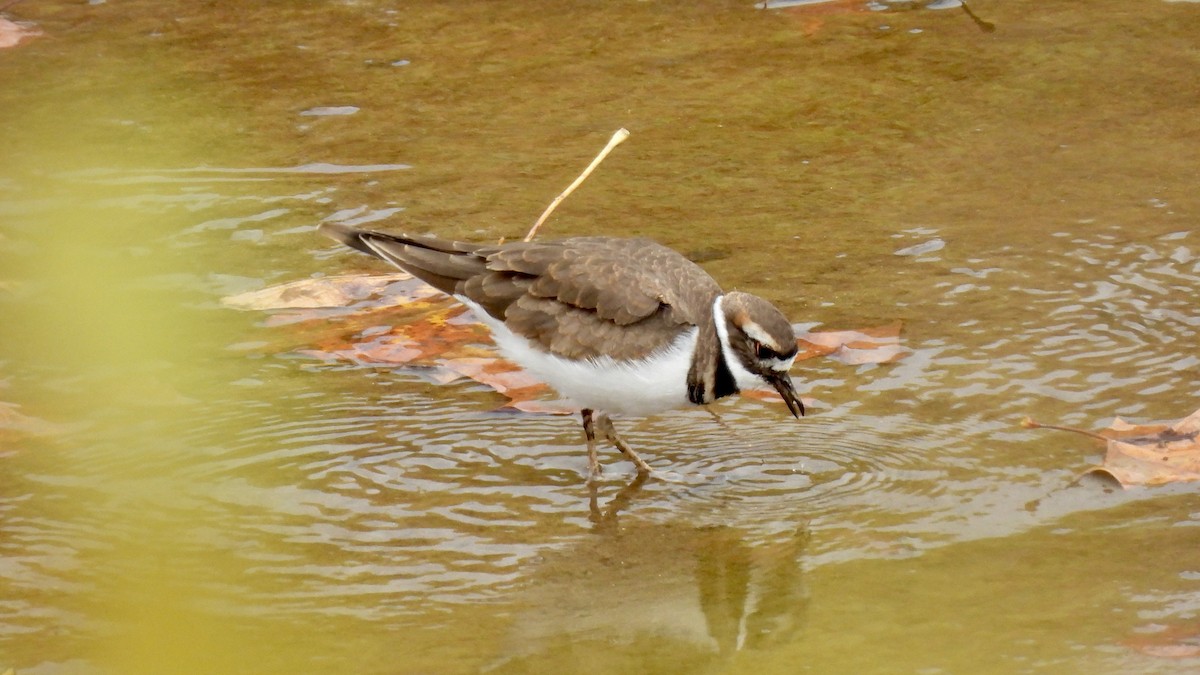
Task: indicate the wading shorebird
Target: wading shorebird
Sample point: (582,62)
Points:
(615,325)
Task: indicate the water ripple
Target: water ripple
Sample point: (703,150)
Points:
(925,451)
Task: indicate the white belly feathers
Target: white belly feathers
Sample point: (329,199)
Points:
(643,387)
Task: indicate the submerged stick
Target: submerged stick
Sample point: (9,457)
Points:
(1030,423)
(717,418)
(613,142)
(985,26)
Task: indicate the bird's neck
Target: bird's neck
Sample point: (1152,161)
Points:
(711,375)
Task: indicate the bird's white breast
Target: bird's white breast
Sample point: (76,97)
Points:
(641,387)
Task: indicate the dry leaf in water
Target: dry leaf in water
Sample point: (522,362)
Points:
(1147,454)
(524,392)
(327,297)
(880,344)
(395,319)
(439,329)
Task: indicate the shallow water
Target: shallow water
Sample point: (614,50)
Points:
(186,490)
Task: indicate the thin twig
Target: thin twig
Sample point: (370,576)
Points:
(1030,423)
(985,26)
(716,417)
(616,139)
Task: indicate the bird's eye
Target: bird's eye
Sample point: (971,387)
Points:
(762,351)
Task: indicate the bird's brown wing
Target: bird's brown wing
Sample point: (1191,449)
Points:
(588,296)
(577,298)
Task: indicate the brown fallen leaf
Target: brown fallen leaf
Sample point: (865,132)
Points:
(880,344)
(396,320)
(524,392)
(1146,454)
(426,333)
(327,297)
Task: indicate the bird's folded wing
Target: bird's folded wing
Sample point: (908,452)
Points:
(584,297)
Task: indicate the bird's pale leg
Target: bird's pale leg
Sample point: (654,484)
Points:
(589,435)
(606,427)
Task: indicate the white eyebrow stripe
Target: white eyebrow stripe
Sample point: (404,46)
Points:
(756,332)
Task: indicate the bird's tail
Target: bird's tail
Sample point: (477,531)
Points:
(441,263)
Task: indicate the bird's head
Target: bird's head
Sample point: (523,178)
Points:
(762,341)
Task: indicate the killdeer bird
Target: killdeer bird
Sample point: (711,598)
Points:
(623,326)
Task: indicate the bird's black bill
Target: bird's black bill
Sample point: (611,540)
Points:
(783,384)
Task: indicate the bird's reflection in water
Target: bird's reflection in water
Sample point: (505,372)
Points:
(645,597)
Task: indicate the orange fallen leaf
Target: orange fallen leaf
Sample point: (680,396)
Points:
(420,336)
(1148,454)
(397,320)
(524,392)
(880,344)
(327,297)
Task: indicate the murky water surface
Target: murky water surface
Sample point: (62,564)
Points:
(184,490)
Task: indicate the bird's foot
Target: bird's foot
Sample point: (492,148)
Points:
(595,472)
